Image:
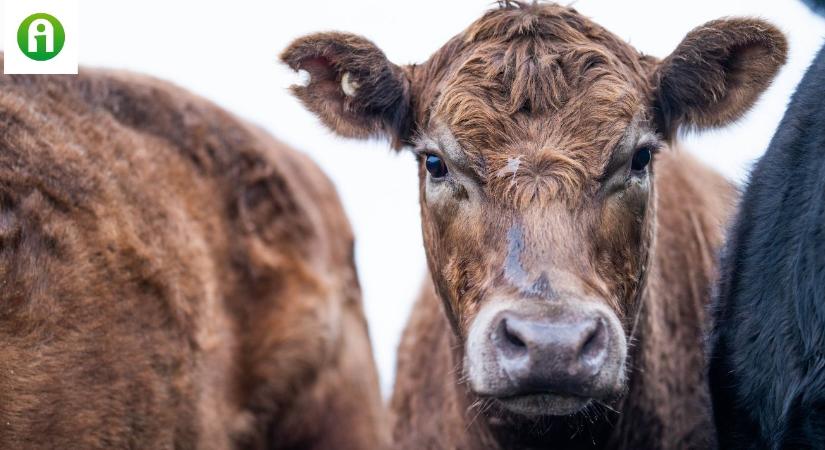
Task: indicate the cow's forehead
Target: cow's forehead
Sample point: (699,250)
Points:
(557,157)
(497,83)
(582,134)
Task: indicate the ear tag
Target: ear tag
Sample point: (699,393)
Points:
(348,85)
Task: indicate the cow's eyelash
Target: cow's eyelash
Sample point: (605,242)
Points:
(421,152)
(654,146)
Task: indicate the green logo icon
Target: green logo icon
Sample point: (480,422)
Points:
(41,37)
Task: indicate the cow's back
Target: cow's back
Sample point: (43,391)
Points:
(170,276)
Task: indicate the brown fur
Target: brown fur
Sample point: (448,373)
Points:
(537,113)
(171,278)
(666,405)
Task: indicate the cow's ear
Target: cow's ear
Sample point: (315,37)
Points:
(352,86)
(716,74)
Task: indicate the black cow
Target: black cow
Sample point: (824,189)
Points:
(767,360)
(817,5)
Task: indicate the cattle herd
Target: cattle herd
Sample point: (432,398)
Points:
(172,277)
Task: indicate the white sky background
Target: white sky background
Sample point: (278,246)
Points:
(227,52)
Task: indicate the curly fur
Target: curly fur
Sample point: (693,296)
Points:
(534,100)
(171,277)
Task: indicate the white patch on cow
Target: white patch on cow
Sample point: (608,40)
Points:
(348,85)
(510,169)
(304,77)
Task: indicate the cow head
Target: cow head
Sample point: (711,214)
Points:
(536,132)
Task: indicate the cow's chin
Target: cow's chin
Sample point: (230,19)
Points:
(535,405)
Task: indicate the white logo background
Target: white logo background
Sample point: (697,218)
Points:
(15,11)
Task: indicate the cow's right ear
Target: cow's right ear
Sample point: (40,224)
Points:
(352,86)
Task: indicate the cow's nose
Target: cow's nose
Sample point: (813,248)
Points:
(551,355)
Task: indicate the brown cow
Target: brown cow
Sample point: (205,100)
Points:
(569,280)
(171,277)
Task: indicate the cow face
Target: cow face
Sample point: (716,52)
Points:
(536,132)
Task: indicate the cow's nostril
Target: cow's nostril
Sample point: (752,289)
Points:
(594,348)
(512,337)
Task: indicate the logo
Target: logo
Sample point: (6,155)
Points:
(41,37)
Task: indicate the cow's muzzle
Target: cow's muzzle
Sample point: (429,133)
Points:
(537,358)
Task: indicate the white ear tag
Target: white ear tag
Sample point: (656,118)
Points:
(348,85)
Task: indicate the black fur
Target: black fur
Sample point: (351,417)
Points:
(817,5)
(767,356)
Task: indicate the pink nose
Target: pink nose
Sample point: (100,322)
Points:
(558,355)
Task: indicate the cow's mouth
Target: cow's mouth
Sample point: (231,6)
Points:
(549,404)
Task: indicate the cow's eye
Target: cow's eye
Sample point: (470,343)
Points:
(436,166)
(641,159)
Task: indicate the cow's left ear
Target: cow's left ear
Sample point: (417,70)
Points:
(716,74)
(355,90)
